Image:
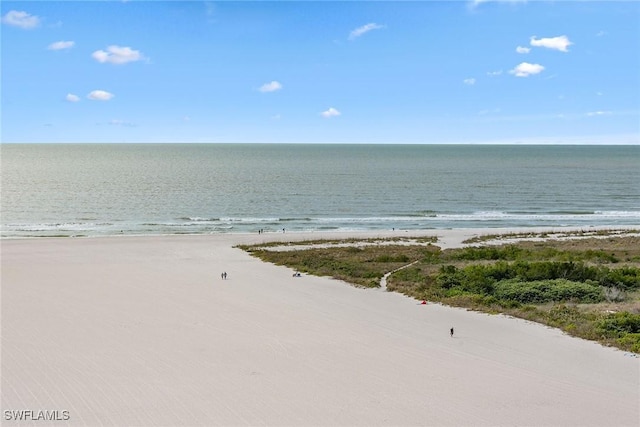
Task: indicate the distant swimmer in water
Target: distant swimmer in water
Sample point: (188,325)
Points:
(451,331)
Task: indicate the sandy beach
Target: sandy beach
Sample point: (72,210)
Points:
(143,331)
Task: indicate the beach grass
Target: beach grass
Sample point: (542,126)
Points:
(373,241)
(586,285)
(360,265)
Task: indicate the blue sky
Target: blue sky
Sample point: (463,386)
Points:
(321,72)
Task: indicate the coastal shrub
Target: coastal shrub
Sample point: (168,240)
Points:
(539,282)
(461,298)
(449,277)
(392,258)
(410,274)
(617,324)
(373,284)
(625,278)
(473,278)
(508,252)
(548,253)
(630,342)
(432,255)
(510,303)
(542,291)
(600,256)
(623,327)
(500,271)
(353,250)
(454,292)
(476,279)
(547,270)
(540,251)
(561,315)
(333,266)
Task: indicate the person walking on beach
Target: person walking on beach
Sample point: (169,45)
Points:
(451,331)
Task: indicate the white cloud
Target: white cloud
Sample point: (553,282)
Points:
(470,81)
(117,55)
(521,49)
(100,95)
(331,112)
(560,43)
(270,87)
(72,98)
(61,45)
(599,113)
(21,19)
(494,73)
(364,29)
(601,33)
(276,117)
(525,69)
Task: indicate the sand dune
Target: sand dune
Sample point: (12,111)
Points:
(142,331)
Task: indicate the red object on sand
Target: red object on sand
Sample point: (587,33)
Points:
(423,302)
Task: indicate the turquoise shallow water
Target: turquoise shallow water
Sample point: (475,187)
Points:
(105,189)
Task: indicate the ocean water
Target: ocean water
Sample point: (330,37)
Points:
(110,189)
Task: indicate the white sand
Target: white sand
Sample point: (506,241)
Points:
(142,331)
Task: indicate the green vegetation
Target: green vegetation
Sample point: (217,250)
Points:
(588,287)
(353,241)
(361,266)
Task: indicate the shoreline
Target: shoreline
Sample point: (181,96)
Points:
(200,227)
(96,325)
(447,232)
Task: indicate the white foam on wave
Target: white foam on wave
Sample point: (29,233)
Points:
(506,216)
(618,214)
(64,226)
(203,225)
